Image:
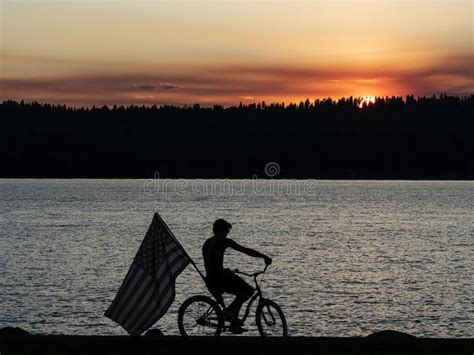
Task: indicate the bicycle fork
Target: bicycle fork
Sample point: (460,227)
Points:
(268,316)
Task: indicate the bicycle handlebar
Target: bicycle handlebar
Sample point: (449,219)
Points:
(255,274)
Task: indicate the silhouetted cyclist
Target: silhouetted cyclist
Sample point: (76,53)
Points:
(220,280)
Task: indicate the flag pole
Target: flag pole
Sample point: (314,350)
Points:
(177,242)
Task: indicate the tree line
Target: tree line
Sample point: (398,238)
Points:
(392,138)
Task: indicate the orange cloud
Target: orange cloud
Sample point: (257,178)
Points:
(228,84)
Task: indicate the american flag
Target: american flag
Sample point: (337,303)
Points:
(148,289)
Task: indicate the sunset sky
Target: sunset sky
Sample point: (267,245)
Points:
(222,52)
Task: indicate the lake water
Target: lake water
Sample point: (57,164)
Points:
(350,257)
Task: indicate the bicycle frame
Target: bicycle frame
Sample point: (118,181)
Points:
(258,294)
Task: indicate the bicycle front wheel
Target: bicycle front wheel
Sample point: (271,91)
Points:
(200,316)
(271,322)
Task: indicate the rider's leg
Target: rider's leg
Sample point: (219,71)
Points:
(242,291)
(239,300)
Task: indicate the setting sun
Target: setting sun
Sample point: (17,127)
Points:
(367,100)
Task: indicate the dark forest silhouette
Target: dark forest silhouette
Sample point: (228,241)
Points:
(394,138)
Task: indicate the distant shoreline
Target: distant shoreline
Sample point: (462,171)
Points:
(413,139)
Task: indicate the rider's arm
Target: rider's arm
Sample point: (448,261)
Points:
(250,252)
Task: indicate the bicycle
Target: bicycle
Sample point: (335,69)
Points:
(203,316)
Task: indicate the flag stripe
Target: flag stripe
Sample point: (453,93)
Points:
(181,267)
(132,296)
(150,309)
(128,294)
(181,264)
(163,281)
(165,304)
(147,282)
(156,309)
(134,307)
(174,250)
(131,279)
(170,247)
(123,288)
(128,277)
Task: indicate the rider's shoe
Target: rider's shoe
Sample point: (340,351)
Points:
(231,317)
(237,329)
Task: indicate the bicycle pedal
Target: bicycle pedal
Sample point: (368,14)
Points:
(237,330)
(231,317)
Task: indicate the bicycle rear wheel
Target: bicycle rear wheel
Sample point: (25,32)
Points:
(271,322)
(200,316)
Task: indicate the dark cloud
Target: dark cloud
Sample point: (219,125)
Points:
(161,86)
(142,87)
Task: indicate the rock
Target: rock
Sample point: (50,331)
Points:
(154,333)
(390,334)
(13,331)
